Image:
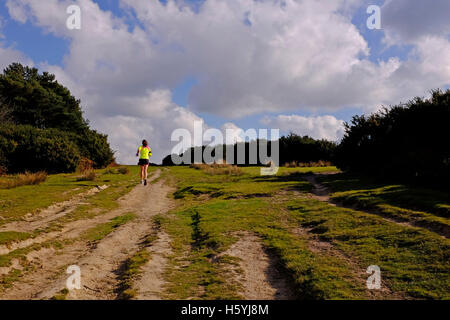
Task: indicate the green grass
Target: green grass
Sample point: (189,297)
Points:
(132,269)
(16,203)
(425,207)
(414,262)
(92,206)
(9,237)
(61,295)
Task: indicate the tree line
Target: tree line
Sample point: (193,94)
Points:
(408,141)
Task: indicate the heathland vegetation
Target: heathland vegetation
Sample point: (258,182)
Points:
(42,125)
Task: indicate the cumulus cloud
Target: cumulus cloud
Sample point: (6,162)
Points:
(407,21)
(247,56)
(161,118)
(8,54)
(320,127)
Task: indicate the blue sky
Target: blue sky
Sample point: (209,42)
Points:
(43,46)
(209,80)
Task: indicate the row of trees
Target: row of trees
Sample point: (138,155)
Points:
(42,125)
(409,141)
(292,148)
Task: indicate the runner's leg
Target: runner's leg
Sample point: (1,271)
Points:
(145,172)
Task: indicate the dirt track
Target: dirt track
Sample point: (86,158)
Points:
(99,264)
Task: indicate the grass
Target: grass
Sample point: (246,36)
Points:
(426,207)
(23,179)
(9,237)
(16,203)
(61,295)
(214,208)
(89,175)
(414,261)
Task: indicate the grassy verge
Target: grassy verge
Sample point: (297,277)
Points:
(16,203)
(429,208)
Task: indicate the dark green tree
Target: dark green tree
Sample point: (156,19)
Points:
(28,98)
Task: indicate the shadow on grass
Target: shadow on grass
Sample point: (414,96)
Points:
(368,191)
(295,181)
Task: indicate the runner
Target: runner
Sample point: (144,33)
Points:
(144,160)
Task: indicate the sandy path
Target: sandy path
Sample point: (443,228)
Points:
(98,264)
(150,284)
(261,277)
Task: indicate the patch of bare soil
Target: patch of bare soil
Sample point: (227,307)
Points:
(261,276)
(99,263)
(150,284)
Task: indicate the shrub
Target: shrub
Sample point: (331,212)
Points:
(110,171)
(33,149)
(88,176)
(113,164)
(408,141)
(123,170)
(95,147)
(218,169)
(24,179)
(85,165)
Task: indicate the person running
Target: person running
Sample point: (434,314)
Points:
(144,160)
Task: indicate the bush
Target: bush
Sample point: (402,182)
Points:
(218,168)
(24,179)
(50,131)
(123,170)
(110,171)
(85,165)
(94,146)
(31,149)
(408,141)
(88,176)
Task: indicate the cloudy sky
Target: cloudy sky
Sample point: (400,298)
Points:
(144,68)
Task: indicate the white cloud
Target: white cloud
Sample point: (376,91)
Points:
(296,55)
(320,127)
(408,21)
(8,54)
(158,117)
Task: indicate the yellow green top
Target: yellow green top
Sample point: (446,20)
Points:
(145,152)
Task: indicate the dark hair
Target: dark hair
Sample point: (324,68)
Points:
(144,143)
